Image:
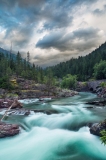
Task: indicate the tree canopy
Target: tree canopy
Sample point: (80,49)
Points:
(100,70)
(69,81)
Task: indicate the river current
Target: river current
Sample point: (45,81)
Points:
(61,136)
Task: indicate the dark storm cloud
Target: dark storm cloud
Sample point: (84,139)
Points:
(25,3)
(58,20)
(21,3)
(52,40)
(25,15)
(70,41)
(55,13)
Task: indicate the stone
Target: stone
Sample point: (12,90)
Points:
(48,112)
(6,103)
(96,128)
(7,130)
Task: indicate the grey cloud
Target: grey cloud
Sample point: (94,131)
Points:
(86,33)
(18,25)
(60,20)
(59,14)
(25,3)
(23,39)
(31,15)
(80,40)
(51,59)
(51,40)
(54,13)
(99,12)
(21,3)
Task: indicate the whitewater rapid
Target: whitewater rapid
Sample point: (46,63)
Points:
(61,136)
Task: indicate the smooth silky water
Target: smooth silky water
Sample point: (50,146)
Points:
(61,136)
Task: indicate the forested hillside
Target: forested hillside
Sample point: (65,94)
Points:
(83,67)
(17,66)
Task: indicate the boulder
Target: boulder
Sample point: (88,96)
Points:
(5,103)
(98,103)
(7,130)
(96,128)
(48,112)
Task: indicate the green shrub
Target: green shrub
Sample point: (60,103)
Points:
(103,84)
(69,81)
(100,70)
(103,137)
(5,83)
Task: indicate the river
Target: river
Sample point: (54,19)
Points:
(62,136)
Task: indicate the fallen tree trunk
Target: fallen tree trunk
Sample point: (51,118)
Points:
(7,110)
(15,103)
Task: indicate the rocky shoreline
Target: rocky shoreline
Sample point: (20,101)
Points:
(7,130)
(40,92)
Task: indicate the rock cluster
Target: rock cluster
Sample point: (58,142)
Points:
(82,87)
(66,93)
(101,92)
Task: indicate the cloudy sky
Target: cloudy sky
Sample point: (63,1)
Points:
(52,30)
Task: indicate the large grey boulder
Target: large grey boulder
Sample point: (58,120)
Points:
(96,128)
(7,130)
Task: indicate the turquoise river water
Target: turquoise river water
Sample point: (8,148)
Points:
(62,136)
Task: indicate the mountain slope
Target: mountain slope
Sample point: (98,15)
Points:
(5,52)
(81,66)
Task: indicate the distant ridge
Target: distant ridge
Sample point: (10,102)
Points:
(7,52)
(4,51)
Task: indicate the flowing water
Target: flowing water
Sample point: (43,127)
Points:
(61,136)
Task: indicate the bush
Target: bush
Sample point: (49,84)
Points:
(100,70)
(69,81)
(103,137)
(103,84)
(5,83)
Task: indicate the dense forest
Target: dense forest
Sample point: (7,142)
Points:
(15,66)
(83,67)
(19,67)
(10,65)
(65,74)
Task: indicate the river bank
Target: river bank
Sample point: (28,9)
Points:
(18,108)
